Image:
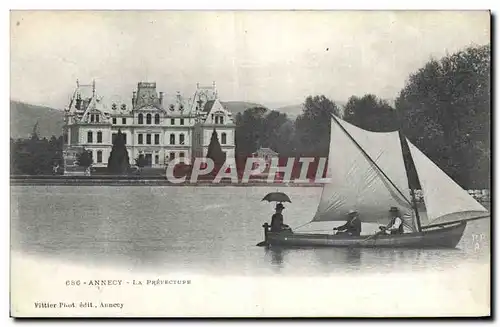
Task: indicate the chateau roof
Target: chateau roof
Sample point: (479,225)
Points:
(208,106)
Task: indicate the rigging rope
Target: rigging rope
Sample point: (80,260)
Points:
(302,225)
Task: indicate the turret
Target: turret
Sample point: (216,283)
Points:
(161,98)
(134,96)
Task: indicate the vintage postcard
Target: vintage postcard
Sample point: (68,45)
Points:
(250,163)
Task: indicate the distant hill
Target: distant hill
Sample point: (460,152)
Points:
(291,111)
(24,116)
(239,106)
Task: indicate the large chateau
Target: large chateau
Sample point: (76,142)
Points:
(159,126)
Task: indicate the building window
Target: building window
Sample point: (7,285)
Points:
(114,121)
(221,119)
(91,118)
(141,119)
(99,156)
(89,137)
(99,137)
(181,139)
(172,155)
(96,118)
(172,121)
(148,119)
(148,138)
(172,138)
(124,138)
(182,121)
(124,121)
(139,139)
(157,119)
(157,138)
(223,138)
(157,159)
(181,154)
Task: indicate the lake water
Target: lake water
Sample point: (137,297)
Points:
(207,230)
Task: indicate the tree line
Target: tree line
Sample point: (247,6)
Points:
(444,109)
(35,155)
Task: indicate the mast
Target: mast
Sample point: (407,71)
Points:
(409,163)
(370,159)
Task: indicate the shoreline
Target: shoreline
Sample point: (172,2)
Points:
(134,181)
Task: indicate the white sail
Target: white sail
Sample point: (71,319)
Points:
(445,200)
(356,183)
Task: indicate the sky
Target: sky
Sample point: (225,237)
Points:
(275,58)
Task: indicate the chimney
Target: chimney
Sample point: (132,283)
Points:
(161,98)
(134,95)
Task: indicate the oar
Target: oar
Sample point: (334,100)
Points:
(372,236)
(263,243)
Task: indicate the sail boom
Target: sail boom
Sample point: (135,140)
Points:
(455,222)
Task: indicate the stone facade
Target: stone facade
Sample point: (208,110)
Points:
(155,125)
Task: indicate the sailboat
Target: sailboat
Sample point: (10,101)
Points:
(368,173)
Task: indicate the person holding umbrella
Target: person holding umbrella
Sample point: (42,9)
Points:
(277,224)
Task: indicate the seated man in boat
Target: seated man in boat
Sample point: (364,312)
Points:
(353,225)
(277,224)
(395,226)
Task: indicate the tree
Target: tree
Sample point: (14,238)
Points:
(278,133)
(445,111)
(214,151)
(312,127)
(35,156)
(249,133)
(84,159)
(370,113)
(118,162)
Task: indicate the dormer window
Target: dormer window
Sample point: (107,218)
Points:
(219,119)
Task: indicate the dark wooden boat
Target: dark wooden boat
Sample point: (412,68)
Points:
(369,173)
(445,237)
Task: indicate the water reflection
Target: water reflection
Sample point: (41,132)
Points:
(276,255)
(346,257)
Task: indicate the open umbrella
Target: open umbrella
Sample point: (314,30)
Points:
(277,197)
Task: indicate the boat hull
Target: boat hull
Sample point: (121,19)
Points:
(445,237)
